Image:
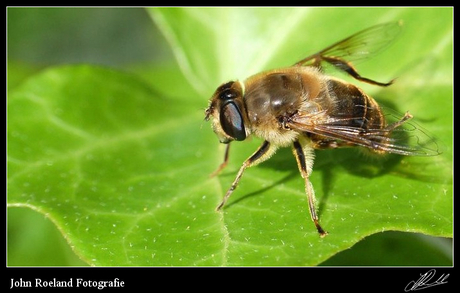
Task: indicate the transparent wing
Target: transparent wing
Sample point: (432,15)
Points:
(401,136)
(363,44)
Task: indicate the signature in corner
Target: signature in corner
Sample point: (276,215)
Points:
(424,281)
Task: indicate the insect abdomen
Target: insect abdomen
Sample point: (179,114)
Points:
(354,108)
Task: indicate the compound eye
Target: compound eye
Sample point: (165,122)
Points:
(231,121)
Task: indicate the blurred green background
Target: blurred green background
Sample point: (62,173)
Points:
(127,39)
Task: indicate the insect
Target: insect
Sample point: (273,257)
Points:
(302,107)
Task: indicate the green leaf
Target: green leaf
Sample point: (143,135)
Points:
(122,166)
(30,235)
(97,152)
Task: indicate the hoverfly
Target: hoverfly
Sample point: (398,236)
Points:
(301,107)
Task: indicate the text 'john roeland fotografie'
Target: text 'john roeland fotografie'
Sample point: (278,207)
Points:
(70,283)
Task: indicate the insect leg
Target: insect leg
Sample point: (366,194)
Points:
(398,123)
(263,153)
(348,68)
(304,156)
(224,163)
